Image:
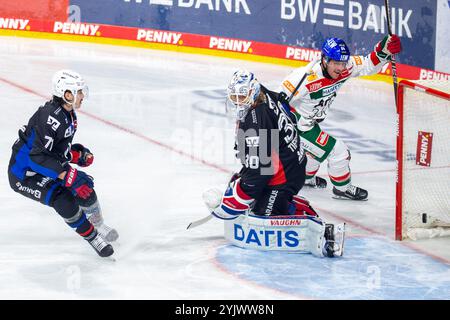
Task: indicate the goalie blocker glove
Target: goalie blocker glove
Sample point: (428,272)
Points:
(234,202)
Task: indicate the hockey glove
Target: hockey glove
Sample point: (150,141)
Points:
(234,202)
(387,47)
(81,156)
(79,183)
(301,207)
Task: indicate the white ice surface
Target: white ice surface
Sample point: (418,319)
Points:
(151,117)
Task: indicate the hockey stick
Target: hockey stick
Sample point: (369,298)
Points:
(308,70)
(197,223)
(393,62)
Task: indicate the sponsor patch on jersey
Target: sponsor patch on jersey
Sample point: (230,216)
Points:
(332,89)
(314,86)
(424,145)
(313,76)
(69,131)
(254,118)
(358,60)
(322,139)
(53,123)
(289,86)
(252,141)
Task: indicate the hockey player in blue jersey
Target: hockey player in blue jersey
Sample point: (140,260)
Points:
(41,165)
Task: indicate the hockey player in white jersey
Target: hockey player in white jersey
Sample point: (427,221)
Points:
(312,100)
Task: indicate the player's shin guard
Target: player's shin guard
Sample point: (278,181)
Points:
(94,215)
(339,166)
(81,224)
(340,175)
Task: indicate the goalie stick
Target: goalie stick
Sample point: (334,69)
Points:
(199,222)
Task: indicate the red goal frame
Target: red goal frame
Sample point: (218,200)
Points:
(399,181)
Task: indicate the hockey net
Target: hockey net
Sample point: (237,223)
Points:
(423,155)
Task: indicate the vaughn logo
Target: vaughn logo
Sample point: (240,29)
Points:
(16,24)
(424,145)
(76,28)
(285,222)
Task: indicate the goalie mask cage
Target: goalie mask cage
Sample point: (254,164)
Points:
(423,160)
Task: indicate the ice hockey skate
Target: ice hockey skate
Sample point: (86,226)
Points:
(94,215)
(110,234)
(99,244)
(352,193)
(316,183)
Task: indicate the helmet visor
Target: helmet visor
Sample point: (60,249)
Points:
(237,106)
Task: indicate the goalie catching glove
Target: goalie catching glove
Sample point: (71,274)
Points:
(229,205)
(388,46)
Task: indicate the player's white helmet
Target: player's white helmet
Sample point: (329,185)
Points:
(68,80)
(242,92)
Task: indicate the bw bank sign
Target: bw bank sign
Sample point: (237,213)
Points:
(236,6)
(355,15)
(295,23)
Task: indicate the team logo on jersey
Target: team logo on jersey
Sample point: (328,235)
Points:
(322,139)
(252,141)
(53,122)
(424,145)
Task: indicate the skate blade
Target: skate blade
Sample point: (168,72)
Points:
(110,259)
(345,198)
(313,187)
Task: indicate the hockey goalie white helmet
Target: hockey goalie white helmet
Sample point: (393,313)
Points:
(68,80)
(242,92)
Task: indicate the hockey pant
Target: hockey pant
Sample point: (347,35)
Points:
(320,146)
(51,193)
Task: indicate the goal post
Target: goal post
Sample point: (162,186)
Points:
(423,159)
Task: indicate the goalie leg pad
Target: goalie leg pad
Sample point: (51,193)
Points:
(280,233)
